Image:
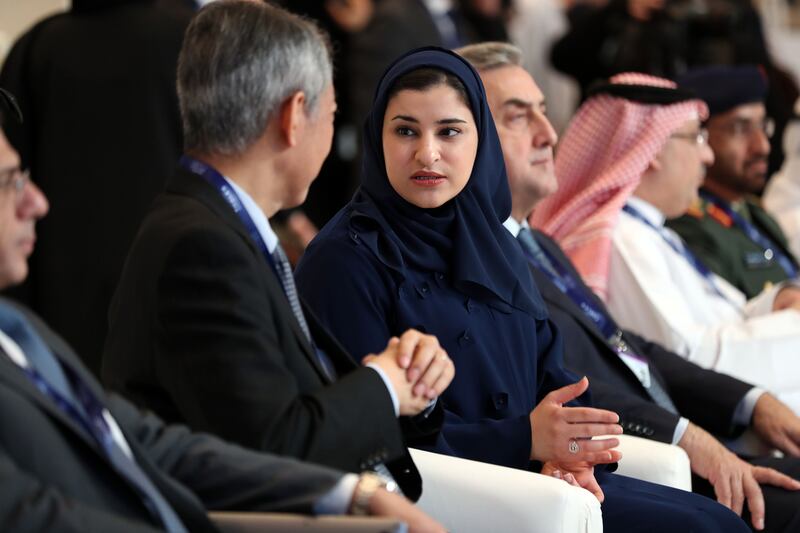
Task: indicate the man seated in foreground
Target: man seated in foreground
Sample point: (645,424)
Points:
(633,156)
(75,459)
(650,388)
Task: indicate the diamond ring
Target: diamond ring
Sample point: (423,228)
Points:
(573,446)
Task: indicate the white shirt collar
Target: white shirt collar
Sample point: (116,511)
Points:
(258,216)
(13,350)
(647,210)
(438,7)
(515,227)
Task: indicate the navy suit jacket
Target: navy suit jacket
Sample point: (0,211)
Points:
(707,398)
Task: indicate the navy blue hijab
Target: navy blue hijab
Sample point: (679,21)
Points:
(464,238)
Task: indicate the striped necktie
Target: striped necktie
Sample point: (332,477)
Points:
(287,280)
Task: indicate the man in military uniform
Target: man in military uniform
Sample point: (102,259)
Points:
(726,228)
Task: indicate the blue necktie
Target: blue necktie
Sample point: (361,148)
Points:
(287,280)
(50,377)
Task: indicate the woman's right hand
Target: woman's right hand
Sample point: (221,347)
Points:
(564,434)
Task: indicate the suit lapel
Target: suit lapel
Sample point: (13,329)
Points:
(185,183)
(15,378)
(770,228)
(553,296)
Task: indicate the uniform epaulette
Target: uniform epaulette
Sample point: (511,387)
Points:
(719,215)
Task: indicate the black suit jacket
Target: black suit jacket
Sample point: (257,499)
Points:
(201,332)
(54,476)
(707,398)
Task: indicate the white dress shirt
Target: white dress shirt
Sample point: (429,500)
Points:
(654,291)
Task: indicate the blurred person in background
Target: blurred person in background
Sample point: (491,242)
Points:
(782,195)
(102,133)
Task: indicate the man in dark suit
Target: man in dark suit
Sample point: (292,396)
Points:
(655,392)
(206,327)
(75,459)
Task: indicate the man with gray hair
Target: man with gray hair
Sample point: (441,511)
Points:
(657,394)
(206,327)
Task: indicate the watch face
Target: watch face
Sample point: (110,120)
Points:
(392,486)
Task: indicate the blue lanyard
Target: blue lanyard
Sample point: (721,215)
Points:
(699,267)
(788,266)
(90,418)
(567,284)
(216,180)
(89,415)
(562,278)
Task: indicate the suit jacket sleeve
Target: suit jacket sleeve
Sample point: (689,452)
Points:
(223,476)
(30,504)
(640,417)
(706,397)
(222,358)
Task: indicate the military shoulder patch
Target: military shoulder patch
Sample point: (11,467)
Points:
(719,215)
(696,209)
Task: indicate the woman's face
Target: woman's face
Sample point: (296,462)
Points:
(429,144)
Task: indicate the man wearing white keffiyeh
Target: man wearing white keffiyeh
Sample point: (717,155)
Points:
(633,156)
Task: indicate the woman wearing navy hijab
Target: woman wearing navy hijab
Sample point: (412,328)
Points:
(422,245)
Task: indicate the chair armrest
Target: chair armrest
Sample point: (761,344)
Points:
(229,522)
(654,461)
(469,496)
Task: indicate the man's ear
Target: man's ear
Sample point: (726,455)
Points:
(292,118)
(655,165)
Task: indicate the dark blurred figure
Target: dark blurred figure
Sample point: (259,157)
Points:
(397,27)
(488,17)
(102,132)
(668,37)
(336,182)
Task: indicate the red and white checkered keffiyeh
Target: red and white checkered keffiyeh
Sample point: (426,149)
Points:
(601,158)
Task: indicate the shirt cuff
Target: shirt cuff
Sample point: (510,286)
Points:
(680,429)
(337,500)
(389,387)
(744,410)
(762,303)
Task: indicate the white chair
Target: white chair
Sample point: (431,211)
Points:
(469,496)
(654,461)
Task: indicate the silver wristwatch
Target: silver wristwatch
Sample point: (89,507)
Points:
(368,484)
